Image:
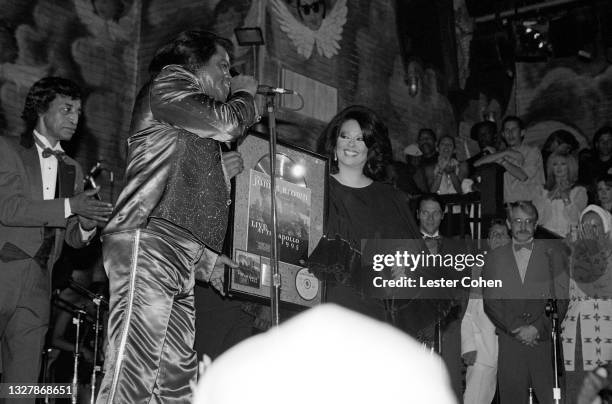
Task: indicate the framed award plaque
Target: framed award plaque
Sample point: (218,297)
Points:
(301,192)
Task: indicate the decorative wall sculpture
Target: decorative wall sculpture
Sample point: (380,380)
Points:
(324,31)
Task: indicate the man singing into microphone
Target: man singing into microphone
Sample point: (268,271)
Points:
(170,220)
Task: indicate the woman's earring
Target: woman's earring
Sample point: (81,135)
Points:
(335,157)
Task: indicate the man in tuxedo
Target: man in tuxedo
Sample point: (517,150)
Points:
(42,204)
(430,214)
(531,271)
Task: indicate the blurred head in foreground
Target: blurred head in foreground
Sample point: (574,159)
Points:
(327,355)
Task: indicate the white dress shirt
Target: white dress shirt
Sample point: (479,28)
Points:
(48,171)
(522,257)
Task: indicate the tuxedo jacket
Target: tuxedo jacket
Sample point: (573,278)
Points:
(23,212)
(519,303)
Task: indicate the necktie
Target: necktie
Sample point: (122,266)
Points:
(519,246)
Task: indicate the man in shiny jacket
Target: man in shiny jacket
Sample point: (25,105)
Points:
(170,219)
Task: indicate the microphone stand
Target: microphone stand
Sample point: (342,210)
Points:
(96,368)
(75,376)
(275,275)
(552,312)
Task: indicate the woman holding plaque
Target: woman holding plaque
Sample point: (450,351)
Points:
(360,207)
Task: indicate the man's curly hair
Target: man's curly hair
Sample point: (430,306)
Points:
(41,94)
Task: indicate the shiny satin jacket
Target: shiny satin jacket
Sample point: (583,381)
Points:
(174,161)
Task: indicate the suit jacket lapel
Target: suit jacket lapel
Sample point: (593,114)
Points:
(514,275)
(32,167)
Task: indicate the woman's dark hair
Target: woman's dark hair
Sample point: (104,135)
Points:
(606,178)
(190,49)
(41,94)
(490,126)
(561,136)
(605,130)
(375,136)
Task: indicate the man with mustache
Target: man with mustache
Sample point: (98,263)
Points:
(532,272)
(171,217)
(42,204)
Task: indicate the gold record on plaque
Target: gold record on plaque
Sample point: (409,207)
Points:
(286,169)
(306,284)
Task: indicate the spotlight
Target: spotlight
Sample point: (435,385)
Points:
(531,40)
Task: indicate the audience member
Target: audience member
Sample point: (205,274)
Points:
(430,214)
(587,327)
(524,176)
(485,133)
(560,142)
(327,355)
(598,161)
(604,191)
(528,269)
(478,339)
(426,140)
(446,174)
(561,201)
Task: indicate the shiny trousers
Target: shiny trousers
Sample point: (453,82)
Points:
(151,323)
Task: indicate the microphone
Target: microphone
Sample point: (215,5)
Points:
(89,178)
(262,88)
(265,90)
(94,170)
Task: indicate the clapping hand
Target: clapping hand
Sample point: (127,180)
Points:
(84,204)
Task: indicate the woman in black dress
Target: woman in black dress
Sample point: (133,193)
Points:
(360,207)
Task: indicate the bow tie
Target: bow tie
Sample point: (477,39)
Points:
(425,237)
(59,154)
(519,246)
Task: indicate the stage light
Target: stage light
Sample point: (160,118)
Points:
(249,36)
(532,40)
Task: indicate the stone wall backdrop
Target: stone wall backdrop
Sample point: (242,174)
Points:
(90,42)
(335,52)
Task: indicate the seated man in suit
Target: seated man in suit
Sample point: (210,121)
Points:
(42,204)
(532,272)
